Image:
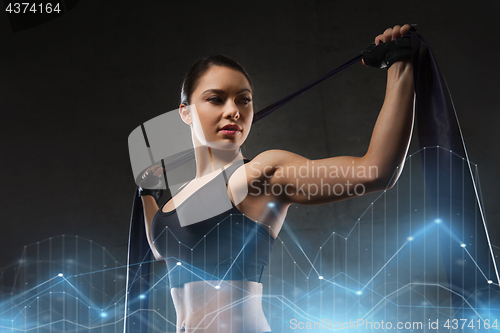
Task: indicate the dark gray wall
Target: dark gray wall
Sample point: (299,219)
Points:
(73,89)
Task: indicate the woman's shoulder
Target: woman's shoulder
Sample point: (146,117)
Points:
(274,158)
(270,160)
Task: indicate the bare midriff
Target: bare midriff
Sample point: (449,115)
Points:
(236,307)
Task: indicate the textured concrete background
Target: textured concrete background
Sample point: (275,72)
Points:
(73,89)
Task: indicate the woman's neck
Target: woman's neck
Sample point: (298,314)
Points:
(209,159)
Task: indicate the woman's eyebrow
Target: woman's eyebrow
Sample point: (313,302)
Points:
(220,91)
(244,90)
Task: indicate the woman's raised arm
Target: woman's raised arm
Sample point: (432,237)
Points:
(296,179)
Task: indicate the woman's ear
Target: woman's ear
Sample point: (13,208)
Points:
(185,114)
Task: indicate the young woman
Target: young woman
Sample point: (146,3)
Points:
(215,262)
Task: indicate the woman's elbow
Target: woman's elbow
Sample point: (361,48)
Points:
(381,176)
(381,182)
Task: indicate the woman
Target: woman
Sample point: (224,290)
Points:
(216,260)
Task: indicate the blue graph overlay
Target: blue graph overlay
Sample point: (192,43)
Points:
(401,265)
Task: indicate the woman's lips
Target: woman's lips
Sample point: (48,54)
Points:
(230,131)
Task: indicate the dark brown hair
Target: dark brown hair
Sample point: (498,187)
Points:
(200,67)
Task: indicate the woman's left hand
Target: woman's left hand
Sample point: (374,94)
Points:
(384,56)
(393,33)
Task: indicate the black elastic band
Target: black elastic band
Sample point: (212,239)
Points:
(273,107)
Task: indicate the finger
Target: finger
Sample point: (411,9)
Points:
(379,39)
(396,32)
(152,169)
(148,171)
(405,29)
(387,35)
(158,172)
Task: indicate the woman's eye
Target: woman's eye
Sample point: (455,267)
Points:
(215,99)
(246,100)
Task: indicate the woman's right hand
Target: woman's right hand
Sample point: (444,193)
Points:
(153,178)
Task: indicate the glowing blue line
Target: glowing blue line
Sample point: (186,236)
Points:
(32,296)
(388,261)
(294,238)
(234,261)
(294,261)
(475,263)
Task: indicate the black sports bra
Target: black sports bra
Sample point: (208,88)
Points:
(228,246)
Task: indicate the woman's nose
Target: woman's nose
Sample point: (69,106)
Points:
(231,110)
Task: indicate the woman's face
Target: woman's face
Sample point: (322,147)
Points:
(224,110)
